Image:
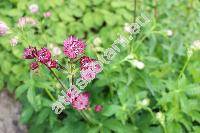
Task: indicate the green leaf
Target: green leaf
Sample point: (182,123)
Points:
(20,90)
(110,110)
(113,124)
(26,114)
(88,20)
(31,96)
(42,116)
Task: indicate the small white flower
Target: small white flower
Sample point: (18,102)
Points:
(127,27)
(33,8)
(169,33)
(160,116)
(196,45)
(14,41)
(145,102)
(138,64)
(97,41)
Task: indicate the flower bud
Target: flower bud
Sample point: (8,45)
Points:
(34,65)
(98,108)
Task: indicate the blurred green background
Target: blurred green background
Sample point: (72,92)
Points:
(151,100)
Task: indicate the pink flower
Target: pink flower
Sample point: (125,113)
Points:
(30,53)
(81,102)
(34,65)
(23,21)
(33,8)
(88,74)
(44,55)
(85,61)
(89,63)
(72,93)
(98,108)
(52,64)
(47,14)
(14,41)
(3,28)
(89,68)
(73,47)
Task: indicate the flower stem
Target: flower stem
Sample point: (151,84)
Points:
(90,119)
(71,75)
(135,11)
(155,9)
(49,94)
(184,67)
(57,79)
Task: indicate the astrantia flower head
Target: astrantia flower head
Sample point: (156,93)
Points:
(88,74)
(89,68)
(30,53)
(85,61)
(81,102)
(3,28)
(52,64)
(33,8)
(72,94)
(23,21)
(47,14)
(44,55)
(73,47)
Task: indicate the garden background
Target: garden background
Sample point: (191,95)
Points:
(164,96)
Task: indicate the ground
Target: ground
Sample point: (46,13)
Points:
(9,115)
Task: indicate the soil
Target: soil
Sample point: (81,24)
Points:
(10,114)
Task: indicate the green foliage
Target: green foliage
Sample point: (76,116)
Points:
(120,87)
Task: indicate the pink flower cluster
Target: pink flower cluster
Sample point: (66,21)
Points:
(89,68)
(73,47)
(74,50)
(3,28)
(23,21)
(79,101)
(43,56)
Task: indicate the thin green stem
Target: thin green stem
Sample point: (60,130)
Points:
(184,67)
(49,94)
(80,112)
(135,11)
(58,79)
(90,119)
(164,129)
(70,76)
(155,9)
